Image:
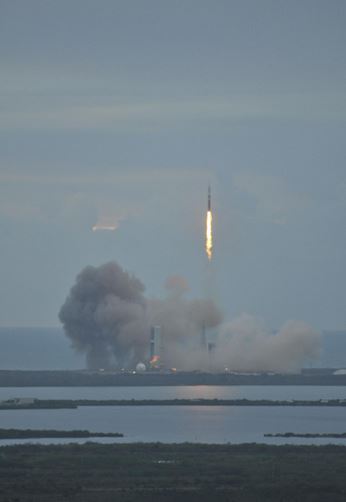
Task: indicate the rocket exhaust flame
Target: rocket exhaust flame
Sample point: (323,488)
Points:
(209,236)
(209,229)
(155,361)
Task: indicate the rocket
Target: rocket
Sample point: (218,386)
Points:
(209,197)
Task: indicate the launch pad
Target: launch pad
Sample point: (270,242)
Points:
(85,378)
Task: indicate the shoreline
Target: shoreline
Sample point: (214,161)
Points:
(54,404)
(54,434)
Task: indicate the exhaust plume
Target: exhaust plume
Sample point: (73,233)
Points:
(209,235)
(107,317)
(245,345)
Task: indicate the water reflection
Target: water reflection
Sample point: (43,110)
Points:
(188,392)
(206,424)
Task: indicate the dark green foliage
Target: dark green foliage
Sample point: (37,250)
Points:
(161,472)
(49,433)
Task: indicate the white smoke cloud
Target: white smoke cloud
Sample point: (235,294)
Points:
(245,345)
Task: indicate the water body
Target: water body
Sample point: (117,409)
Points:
(48,348)
(174,424)
(273,392)
(206,424)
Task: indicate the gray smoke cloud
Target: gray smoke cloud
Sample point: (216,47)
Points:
(182,322)
(107,317)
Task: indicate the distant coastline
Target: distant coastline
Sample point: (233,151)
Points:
(47,404)
(52,433)
(307,435)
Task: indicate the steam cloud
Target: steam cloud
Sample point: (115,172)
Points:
(107,317)
(245,345)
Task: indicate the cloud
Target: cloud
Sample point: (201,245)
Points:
(121,111)
(21,211)
(115,195)
(113,175)
(274,200)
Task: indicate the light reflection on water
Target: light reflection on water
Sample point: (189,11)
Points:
(188,392)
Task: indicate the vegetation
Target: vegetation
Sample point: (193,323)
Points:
(49,433)
(41,404)
(75,403)
(206,402)
(307,435)
(166,473)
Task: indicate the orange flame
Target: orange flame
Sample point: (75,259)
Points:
(209,235)
(154,361)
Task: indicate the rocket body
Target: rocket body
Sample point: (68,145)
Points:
(209,198)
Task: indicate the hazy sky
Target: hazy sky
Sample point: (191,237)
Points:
(122,111)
